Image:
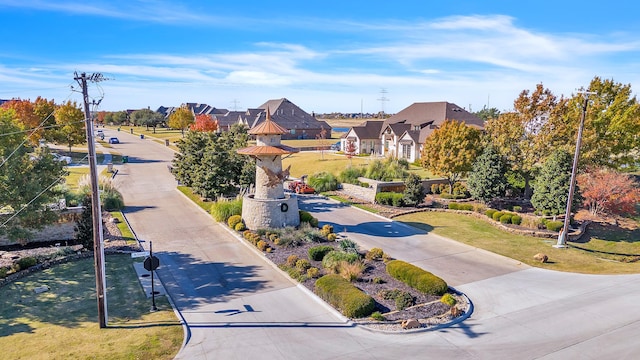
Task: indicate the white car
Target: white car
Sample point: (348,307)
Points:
(58,157)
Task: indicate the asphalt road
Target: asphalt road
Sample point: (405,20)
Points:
(237,306)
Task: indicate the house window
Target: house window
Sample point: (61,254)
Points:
(406,151)
(292,131)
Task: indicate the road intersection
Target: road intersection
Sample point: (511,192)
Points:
(236,305)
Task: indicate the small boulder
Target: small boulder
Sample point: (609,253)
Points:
(455,312)
(541,257)
(410,324)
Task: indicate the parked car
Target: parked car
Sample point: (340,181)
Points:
(65,159)
(114,140)
(336,146)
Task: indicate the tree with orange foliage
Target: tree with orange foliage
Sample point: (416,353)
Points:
(607,192)
(26,118)
(204,123)
(350,150)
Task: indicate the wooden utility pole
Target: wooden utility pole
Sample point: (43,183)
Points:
(98,244)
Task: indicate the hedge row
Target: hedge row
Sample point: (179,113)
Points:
(504,217)
(417,278)
(457,206)
(343,295)
(390,198)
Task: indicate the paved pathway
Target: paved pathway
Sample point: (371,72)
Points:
(238,307)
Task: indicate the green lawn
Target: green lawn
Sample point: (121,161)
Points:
(206,205)
(62,323)
(478,233)
(309,163)
(126,233)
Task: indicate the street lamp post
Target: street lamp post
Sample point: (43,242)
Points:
(562,237)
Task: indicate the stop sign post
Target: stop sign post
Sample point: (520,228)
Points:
(151,263)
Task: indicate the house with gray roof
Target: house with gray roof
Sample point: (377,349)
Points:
(365,137)
(403,134)
(299,124)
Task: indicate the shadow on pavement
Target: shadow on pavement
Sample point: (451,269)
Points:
(192,282)
(376,228)
(132,209)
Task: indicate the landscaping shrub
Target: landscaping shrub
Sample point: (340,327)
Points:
(516,219)
(303,265)
(27,262)
(223,209)
(349,246)
(233,220)
(453,206)
(490,212)
(497,215)
(323,181)
(404,301)
(313,272)
(112,201)
(517,208)
(448,299)
(350,175)
(306,217)
(554,225)
(292,260)
(378,316)
(466,207)
(402,298)
(505,219)
(454,196)
(326,230)
(374,254)
(343,295)
(435,189)
(262,245)
(351,271)
(397,200)
(4,272)
(240,226)
(332,237)
(383,198)
(333,258)
(416,277)
(316,253)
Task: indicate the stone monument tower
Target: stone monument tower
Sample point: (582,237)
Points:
(269,206)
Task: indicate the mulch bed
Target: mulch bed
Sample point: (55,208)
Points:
(428,310)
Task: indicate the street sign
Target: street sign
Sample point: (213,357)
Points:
(139,254)
(151,263)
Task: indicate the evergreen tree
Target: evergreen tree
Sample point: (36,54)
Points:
(551,189)
(487,178)
(84,225)
(413,191)
(208,162)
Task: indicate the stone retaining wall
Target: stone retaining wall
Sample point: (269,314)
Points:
(63,230)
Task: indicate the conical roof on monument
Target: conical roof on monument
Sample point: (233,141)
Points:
(268,150)
(268,127)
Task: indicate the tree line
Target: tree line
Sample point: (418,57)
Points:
(529,150)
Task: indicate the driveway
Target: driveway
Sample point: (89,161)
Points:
(237,306)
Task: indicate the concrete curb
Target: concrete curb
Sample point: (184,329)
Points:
(185,327)
(330,308)
(455,321)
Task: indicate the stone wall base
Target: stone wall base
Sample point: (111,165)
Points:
(270,213)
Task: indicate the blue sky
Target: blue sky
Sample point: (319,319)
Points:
(324,56)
